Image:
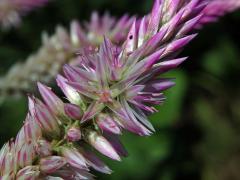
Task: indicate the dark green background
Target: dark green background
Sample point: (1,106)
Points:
(198,127)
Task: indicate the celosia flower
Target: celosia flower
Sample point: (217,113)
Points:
(218,8)
(12,10)
(115,88)
(62,48)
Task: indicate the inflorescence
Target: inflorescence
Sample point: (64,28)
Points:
(109,89)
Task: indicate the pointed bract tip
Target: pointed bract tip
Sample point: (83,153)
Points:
(54,103)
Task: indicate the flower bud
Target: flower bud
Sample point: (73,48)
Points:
(74,158)
(73,134)
(102,145)
(72,95)
(73,111)
(107,123)
(51,164)
(29,172)
(43,148)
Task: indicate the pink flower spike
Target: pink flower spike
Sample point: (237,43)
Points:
(217,8)
(110,87)
(12,10)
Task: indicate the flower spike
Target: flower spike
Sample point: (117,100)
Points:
(12,10)
(109,89)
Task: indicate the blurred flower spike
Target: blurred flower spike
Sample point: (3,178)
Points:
(12,10)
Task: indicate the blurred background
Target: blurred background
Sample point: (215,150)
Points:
(197,129)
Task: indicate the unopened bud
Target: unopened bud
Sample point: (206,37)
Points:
(74,158)
(73,111)
(43,148)
(102,145)
(74,134)
(29,172)
(107,123)
(72,95)
(51,164)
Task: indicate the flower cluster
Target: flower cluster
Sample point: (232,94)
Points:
(108,90)
(11,10)
(218,8)
(61,48)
